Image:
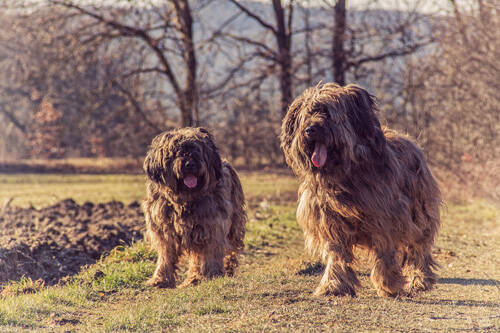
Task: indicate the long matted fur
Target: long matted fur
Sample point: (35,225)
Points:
(361,186)
(194,206)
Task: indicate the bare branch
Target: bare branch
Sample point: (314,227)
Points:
(127,30)
(391,54)
(254,16)
(254,43)
(13,119)
(136,105)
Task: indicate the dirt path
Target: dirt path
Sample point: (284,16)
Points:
(57,241)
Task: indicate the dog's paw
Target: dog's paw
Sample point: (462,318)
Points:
(190,281)
(332,290)
(418,284)
(160,283)
(391,293)
(418,281)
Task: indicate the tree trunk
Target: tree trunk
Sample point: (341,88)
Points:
(307,46)
(338,52)
(189,105)
(285,84)
(284,40)
(186,113)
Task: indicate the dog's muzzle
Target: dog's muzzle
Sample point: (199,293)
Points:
(315,137)
(190,172)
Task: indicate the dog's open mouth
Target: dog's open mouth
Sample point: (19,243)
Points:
(190,180)
(318,157)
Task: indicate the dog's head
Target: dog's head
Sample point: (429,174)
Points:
(329,128)
(186,161)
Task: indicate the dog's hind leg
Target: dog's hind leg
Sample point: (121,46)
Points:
(234,243)
(238,222)
(418,262)
(231,261)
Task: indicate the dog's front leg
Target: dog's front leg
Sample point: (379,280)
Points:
(339,279)
(207,254)
(166,264)
(386,273)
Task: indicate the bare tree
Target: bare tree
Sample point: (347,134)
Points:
(278,53)
(45,66)
(453,98)
(356,41)
(166,33)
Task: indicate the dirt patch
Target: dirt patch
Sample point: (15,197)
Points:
(56,241)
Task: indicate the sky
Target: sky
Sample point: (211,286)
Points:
(427,6)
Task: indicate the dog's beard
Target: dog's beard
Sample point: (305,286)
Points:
(189,179)
(194,180)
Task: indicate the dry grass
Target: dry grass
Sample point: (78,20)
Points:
(74,165)
(273,289)
(46,189)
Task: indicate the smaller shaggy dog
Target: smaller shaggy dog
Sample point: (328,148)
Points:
(361,186)
(194,206)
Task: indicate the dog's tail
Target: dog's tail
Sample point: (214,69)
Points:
(238,225)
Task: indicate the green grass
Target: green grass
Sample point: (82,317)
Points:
(273,288)
(46,189)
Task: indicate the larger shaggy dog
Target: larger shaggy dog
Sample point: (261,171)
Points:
(194,206)
(361,186)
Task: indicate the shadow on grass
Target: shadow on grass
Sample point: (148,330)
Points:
(316,268)
(470,282)
(465,302)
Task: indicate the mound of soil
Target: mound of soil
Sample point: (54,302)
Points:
(56,241)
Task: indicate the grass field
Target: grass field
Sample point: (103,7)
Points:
(273,288)
(45,189)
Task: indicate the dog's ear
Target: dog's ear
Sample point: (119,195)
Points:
(289,124)
(363,119)
(205,131)
(157,159)
(211,153)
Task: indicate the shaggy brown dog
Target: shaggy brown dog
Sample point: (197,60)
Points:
(361,186)
(194,206)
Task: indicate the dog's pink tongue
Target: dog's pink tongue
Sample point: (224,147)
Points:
(190,181)
(319,155)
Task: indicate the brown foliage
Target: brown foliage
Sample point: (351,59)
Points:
(452,102)
(46,132)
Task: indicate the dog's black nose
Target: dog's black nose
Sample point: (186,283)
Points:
(189,164)
(311,130)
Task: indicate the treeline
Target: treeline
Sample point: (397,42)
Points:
(100,80)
